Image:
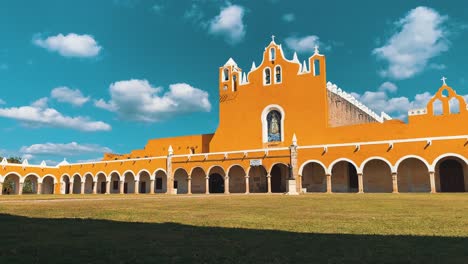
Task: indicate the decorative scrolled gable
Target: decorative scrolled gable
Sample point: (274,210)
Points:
(447,96)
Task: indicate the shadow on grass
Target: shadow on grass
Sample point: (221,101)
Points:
(39,240)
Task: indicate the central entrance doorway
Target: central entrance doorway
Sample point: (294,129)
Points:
(216,183)
(451,176)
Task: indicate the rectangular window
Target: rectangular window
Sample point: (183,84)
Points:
(158,183)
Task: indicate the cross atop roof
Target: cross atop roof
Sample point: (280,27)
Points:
(273,38)
(443,80)
(316,51)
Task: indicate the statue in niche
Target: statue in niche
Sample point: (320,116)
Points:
(274,126)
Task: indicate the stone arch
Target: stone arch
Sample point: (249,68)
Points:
(436,160)
(258,179)
(279,174)
(31,184)
(236,175)
(399,161)
(48,182)
(377,175)
(361,168)
(11,183)
(198,181)
(65,184)
(160,178)
(115,181)
(129,181)
(313,176)
(88,183)
(344,175)
(101,181)
(413,174)
(76,179)
(451,173)
(339,160)
(216,179)
(180,181)
(144,181)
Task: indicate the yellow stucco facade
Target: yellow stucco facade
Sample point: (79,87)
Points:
(282,128)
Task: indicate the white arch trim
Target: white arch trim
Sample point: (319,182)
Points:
(330,168)
(214,166)
(109,177)
(96,177)
(48,175)
(276,163)
(234,165)
(250,167)
(180,168)
(153,176)
(363,164)
(72,178)
(197,167)
(446,155)
(428,166)
(301,169)
(264,120)
(22,179)
(135,177)
(65,174)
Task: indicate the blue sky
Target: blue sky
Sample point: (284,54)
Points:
(79,78)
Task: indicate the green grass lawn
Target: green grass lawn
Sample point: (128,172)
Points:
(313,228)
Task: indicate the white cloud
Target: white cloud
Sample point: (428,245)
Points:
(69,149)
(138,100)
(66,95)
(39,114)
(289,17)
(388,86)
(304,44)
(229,24)
(421,36)
(71,45)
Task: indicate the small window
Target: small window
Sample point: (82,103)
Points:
(454,105)
(226,75)
(278,74)
(272,54)
(267,74)
(158,183)
(316,67)
(234,85)
(437,108)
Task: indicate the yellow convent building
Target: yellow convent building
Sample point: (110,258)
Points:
(283,129)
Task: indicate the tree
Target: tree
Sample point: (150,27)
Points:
(13,159)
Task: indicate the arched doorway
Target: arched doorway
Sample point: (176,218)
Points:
(279,176)
(160,185)
(198,180)
(145,182)
(258,179)
(451,175)
(65,187)
(30,184)
(11,184)
(377,177)
(344,177)
(129,182)
(313,178)
(180,181)
(114,183)
(47,185)
(236,179)
(76,184)
(216,183)
(413,176)
(101,183)
(89,183)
